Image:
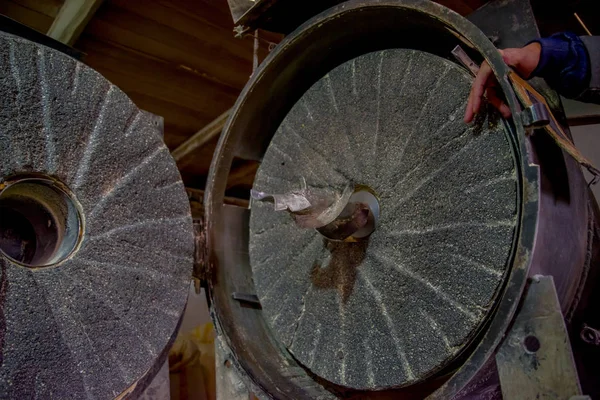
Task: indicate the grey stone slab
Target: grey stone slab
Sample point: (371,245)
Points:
(96,323)
(394,310)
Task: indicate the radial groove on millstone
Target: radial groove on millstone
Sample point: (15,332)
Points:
(124,180)
(95,324)
(92,143)
(395,309)
(47,119)
(391,327)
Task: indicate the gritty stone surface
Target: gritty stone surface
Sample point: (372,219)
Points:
(391,311)
(95,324)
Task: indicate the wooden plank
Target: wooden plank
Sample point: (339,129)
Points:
(162,71)
(180,122)
(161,41)
(198,26)
(49,8)
(71,19)
(26,16)
(123,79)
(201,137)
(158,79)
(198,162)
(217,12)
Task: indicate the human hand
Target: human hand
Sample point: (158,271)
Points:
(523,60)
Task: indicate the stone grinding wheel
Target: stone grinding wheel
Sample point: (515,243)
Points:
(100,320)
(392,310)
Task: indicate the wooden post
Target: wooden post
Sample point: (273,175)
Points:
(72,19)
(201,137)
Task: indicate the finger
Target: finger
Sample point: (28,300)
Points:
(468,114)
(497,102)
(480,84)
(504,110)
(469,110)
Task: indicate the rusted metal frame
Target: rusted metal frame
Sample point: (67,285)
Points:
(535,359)
(230,384)
(228,145)
(557,169)
(196,198)
(561,177)
(530,98)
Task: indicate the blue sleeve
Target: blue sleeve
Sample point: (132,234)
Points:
(564,64)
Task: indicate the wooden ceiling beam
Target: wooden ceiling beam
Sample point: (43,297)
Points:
(201,137)
(242,175)
(197,196)
(72,19)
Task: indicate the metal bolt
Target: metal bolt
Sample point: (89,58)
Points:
(590,335)
(532,344)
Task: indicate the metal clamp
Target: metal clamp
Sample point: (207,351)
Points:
(535,116)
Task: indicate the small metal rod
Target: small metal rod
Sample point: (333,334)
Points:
(246,298)
(465,60)
(585,28)
(255,55)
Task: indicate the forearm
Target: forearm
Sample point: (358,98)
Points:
(571,65)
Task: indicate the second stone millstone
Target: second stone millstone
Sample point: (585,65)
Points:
(394,308)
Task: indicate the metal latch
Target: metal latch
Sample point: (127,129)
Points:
(535,116)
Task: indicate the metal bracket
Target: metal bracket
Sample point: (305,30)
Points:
(535,360)
(246,298)
(535,116)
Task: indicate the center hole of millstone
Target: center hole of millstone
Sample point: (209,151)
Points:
(40,221)
(357,220)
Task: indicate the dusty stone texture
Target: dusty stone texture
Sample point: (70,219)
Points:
(93,325)
(394,310)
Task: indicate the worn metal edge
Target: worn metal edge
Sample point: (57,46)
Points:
(529,172)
